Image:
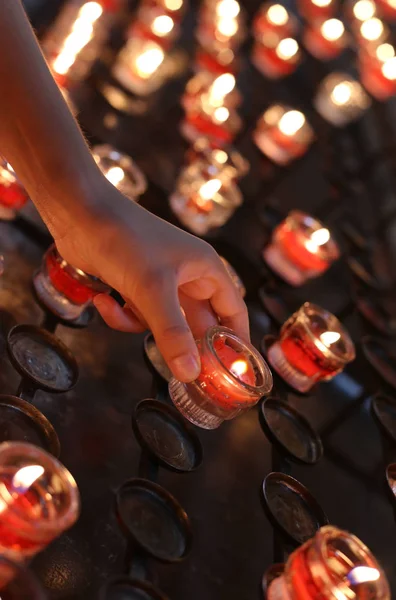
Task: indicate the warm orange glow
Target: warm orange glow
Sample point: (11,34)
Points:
(115,175)
(287,48)
(364,10)
(221,114)
(332,29)
(149,60)
(389,69)
(291,122)
(372,29)
(384,52)
(26,476)
(209,189)
(227,27)
(342,93)
(329,337)
(322,3)
(228,9)
(162,25)
(317,239)
(173,4)
(277,15)
(239,367)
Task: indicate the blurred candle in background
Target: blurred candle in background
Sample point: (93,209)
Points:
(341,99)
(325,39)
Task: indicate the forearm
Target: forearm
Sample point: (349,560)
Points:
(38,134)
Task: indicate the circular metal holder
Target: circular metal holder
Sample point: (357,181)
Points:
(42,358)
(20,421)
(290,432)
(279,382)
(379,357)
(155,359)
(274,305)
(165,436)
(291,508)
(374,314)
(273,572)
(384,410)
(127,588)
(22,583)
(85,319)
(153,519)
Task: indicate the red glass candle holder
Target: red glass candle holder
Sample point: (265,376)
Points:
(273,21)
(216,62)
(313,346)
(77,38)
(218,124)
(221,25)
(283,134)
(65,290)
(212,91)
(277,58)
(301,248)
(360,11)
(236,280)
(173,8)
(333,564)
(203,202)
(387,9)
(140,67)
(341,99)
(325,39)
(13,196)
(120,170)
(225,162)
(39,500)
(153,23)
(378,71)
(233,378)
(317,9)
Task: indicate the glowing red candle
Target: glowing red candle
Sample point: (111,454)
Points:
(283,134)
(313,346)
(317,9)
(12,195)
(63,288)
(387,8)
(333,564)
(39,500)
(325,39)
(371,32)
(378,70)
(233,378)
(221,26)
(301,248)
(273,20)
(277,58)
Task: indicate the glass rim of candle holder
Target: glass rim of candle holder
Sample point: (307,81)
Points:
(319,549)
(329,251)
(135,176)
(24,576)
(32,332)
(235,165)
(90,281)
(18,455)
(270,119)
(305,312)
(38,420)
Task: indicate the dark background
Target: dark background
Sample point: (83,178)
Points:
(346,178)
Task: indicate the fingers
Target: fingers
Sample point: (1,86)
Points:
(159,303)
(199,314)
(116,316)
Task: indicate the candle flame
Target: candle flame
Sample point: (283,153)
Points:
(115,175)
(332,29)
(363,574)
(222,85)
(321,236)
(329,337)
(209,189)
(321,3)
(364,10)
(162,25)
(287,48)
(228,27)
(389,69)
(221,114)
(220,156)
(384,52)
(239,367)
(80,36)
(277,15)
(148,61)
(173,4)
(26,476)
(372,29)
(228,9)
(342,93)
(291,122)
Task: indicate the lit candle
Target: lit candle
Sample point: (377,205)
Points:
(13,196)
(283,134)
(225,163)
(378,71)
(64,289)
(233,378)
(155,25)
(341,99)
(317,9)
(216,62)
(120,170)
(333,564)
(203,203)
(212,91)
(313,346)
(140,66)
(301,248)
(372,32)
(361,11)
(39,500)
(273,20)
(221,26)
(279,60)
(173,8)
(325,39)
